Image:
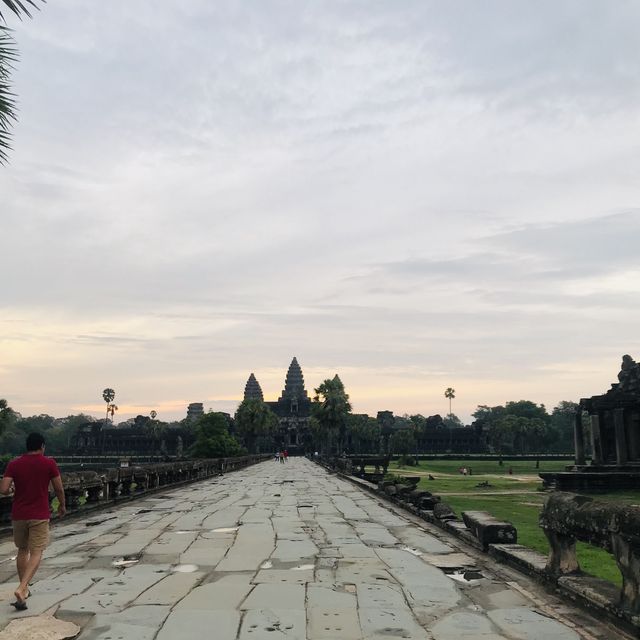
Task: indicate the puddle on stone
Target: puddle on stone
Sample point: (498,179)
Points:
(302,567)
(464,575)
(266,565)
(412,550)
(185,568)
(225,530)
(181,533)
(126,561)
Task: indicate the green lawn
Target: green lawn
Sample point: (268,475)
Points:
(519,467)
(519,500)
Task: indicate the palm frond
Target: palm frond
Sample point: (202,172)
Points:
(19,7)
(8,55)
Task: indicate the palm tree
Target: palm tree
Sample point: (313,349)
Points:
(451,394)
(253,420)
(108,396)
(331,408)
(8,57)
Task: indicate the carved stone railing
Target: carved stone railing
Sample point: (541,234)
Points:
(567,517)
(88,488)
(356,465)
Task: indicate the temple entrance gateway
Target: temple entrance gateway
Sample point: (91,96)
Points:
(293,408)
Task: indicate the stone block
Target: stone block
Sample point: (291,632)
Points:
(429,502)
(442,511)
(488,529)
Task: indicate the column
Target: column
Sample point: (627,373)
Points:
(633,433)
(596,439)
(621,437)
(578,435)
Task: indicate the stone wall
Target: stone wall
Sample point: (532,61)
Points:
(87,489)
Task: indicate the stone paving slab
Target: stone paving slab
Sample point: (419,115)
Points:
(197,625)
(275,551)
(134,623)
(276,596)
(171,589)
(260,624)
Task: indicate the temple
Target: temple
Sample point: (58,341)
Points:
(252,390)
(293,408)
(612,421)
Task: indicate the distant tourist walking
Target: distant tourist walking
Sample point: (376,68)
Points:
(286,455)
(282,457)
(30,475)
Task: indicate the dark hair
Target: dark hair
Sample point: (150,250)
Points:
(35,441)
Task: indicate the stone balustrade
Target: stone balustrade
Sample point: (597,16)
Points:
(357,465)
(567,517)
(84,489)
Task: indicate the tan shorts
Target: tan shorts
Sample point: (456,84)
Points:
(31,534)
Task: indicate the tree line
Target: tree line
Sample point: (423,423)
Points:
(517,427)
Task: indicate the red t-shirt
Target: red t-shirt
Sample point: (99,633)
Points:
(31,475)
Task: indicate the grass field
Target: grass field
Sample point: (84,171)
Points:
(516,497)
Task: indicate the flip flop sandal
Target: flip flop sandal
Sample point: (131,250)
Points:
(20,606)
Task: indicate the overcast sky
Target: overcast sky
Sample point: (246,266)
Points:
(412,194)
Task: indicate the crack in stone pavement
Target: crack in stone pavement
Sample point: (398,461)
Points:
(278,551)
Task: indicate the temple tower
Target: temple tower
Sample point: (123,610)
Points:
(294,384)
(252,390)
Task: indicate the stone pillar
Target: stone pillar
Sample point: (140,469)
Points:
(578,434)
(596,440)
(621,437)
(634,436)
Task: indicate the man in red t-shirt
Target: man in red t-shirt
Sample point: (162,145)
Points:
(30,475)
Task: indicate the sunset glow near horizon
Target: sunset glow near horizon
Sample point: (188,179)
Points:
(413,196)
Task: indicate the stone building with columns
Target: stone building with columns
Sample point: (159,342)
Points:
(610,424)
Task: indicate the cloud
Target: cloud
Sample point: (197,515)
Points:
(202,189)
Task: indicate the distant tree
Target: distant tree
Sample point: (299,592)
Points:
(59,437)
(434,422)
(501,433)
(213,439)
(527,409)
(450,393)
(253,420)
(560,434)
(486,416)
(452,421)
(37,424)
(8,57)
(364,433)
(418,420)
(7,416)
(330,408)
(516,428)
(403,442)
